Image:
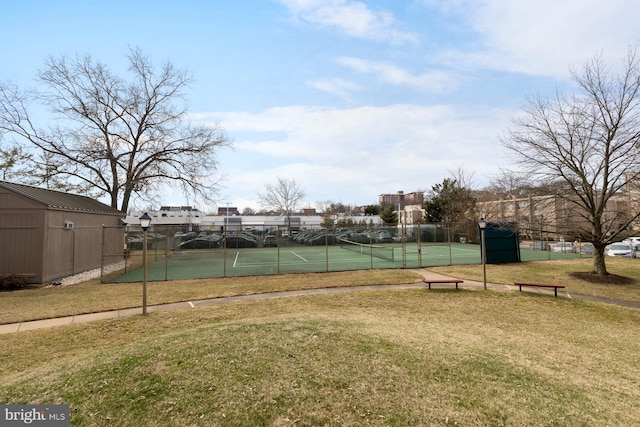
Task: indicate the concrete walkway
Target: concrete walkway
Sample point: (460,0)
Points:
(185,305)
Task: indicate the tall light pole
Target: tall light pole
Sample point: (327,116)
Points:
(145,222)
(225,241)
(483,225)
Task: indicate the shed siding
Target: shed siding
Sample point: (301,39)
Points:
(72,251)
(21,240)
(35,242)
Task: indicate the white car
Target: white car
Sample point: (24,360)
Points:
(565,247)
(634,241)
(621,249)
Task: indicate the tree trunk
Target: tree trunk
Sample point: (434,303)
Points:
(599,266)
(114,200)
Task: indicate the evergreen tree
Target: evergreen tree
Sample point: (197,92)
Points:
(449,202)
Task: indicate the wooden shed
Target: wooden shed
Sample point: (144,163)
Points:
(46,235)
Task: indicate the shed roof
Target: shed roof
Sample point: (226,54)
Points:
(59,199)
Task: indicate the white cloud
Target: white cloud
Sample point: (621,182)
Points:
(351,17)
(355,154)
(339,87)
(544,37)
(434,81)
(271,120)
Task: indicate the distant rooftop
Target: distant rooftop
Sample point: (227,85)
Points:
(177,208)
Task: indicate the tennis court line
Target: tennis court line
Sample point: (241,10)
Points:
(299,256)
(235,261)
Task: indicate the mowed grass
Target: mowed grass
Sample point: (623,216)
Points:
(402,357)
(558,272)
(387,358)
(92,296)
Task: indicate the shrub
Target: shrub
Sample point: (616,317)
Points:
(13,282)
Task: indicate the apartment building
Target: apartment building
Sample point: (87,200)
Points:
(553,216)
(401,200)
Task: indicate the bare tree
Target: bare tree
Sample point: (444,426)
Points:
(332,207)
(590,141)
(324,206)
(120,138)
(12,163)
(510,185)
(462,177)
(285,196)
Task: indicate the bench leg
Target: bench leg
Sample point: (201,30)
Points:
(555,291)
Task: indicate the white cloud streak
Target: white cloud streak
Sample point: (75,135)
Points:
(338,87)
(434,81)
(353,18)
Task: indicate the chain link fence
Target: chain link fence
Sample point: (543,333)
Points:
(174,252)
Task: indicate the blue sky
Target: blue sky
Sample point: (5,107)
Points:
(350,98)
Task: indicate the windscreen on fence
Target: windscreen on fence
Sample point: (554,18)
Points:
(174,252)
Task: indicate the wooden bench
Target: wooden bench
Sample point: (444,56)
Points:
(430,281)
(539,285)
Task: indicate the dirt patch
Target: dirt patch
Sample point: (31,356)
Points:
(610,279)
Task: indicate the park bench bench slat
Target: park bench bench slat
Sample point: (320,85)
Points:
(539,285)
(430,281)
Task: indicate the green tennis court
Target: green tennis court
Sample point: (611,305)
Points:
(208,263)
(193,264)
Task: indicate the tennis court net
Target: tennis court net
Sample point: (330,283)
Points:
(378,251)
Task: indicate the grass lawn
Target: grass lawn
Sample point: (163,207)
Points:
(395,357)
(559,272)
(390,357)
(91,296)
